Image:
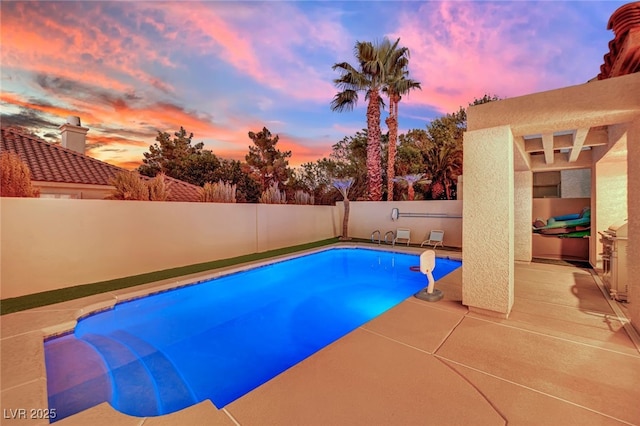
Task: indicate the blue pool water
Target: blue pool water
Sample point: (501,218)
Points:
(222,338)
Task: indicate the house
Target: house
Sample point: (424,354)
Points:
(64,171)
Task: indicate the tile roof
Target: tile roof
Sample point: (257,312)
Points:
(54,163)
(624,50)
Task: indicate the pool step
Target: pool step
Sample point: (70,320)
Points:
(173,392)
(77,377)
(145,382)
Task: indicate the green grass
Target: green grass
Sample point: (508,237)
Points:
(30,301)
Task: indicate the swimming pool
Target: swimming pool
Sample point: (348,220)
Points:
(221,338)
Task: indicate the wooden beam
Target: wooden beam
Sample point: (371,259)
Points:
(595,137)
(538,164)
(547,145)
(579,136)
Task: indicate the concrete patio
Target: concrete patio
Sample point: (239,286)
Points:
(563,357)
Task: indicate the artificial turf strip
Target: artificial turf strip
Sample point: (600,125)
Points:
(16,304)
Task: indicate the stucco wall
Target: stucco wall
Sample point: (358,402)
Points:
(488,236)
(523,196)
(575,183)
(633,260)
(52,243)
(367,216)
(287,225)
(609,202)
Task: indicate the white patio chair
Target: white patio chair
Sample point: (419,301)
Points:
(435,239)
(402,234)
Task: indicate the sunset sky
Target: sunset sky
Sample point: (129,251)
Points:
(221,69)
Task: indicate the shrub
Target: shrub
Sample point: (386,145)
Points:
(220,192)
(16,177)
(301,197)
(129,186)
(158,190)
(273,196)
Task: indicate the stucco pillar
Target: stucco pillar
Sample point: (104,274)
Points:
(488,221)
(523,215)
(609,190)
(633,206)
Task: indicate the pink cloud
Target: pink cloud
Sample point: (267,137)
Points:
(304,150)
(462,50)
(265,53)
(75,48)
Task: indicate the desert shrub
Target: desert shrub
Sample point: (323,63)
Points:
(219,192)
(302,197)
(272,195)
(158,190)
(129,186)
(16,177)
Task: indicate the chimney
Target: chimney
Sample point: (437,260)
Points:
(73,135)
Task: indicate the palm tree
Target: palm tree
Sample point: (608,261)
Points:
(370,77)
(412,180)
(397,84)
(343,185)
(444,164)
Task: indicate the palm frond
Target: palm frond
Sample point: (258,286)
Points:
(345,100)
(345,67)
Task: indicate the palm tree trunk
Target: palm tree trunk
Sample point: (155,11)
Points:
(392,123)
(345,220)
(373,146)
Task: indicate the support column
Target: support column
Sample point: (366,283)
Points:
(609,190)
(633,207)
(488,221)
(523,216)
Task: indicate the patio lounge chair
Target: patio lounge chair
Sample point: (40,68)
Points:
(402,234)
(435,239)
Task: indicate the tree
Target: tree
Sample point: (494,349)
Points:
(411,180)
(312,177)
(349,158)
(409,154)
(15,177)
(237,173)
(343,185)
(199,168)
(396,85)
(168,155)
(369,77)
(268,165)
(444,154)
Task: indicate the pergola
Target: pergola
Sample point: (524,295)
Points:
(594,125)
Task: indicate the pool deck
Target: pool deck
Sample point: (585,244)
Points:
(562,357)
